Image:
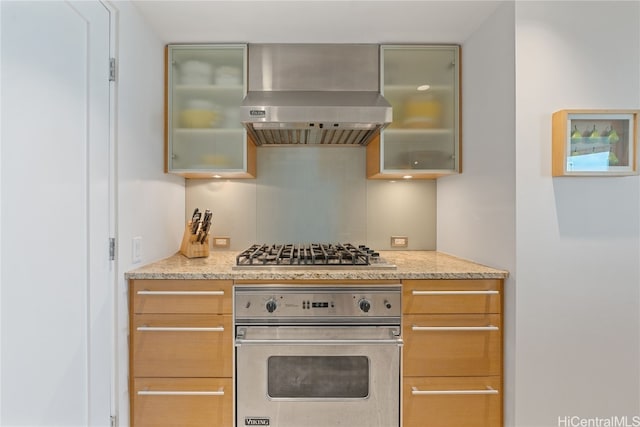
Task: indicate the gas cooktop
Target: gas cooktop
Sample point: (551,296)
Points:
(312,255)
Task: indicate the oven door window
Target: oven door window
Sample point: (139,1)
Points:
(318,377)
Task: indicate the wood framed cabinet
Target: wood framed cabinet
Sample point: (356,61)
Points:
(452,357)
(205,85)
(181,353)
(422,83)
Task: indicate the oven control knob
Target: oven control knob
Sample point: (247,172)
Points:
(271,306)
(365,305)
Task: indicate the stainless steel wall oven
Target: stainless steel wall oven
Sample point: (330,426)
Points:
(317,356)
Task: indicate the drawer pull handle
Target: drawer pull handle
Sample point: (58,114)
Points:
(179,329)
(455,292)
(455,328)
(416,392)
(180,393)
(146,292)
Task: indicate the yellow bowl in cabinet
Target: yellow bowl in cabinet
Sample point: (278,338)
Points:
(198,118)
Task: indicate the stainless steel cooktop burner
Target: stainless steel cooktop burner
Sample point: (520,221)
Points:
(319,255)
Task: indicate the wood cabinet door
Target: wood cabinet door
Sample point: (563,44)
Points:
(193,402)
(451,296)
(182,296)
(174,345)
(452,402)
(452,344)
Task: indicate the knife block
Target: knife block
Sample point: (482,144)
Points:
(192,248)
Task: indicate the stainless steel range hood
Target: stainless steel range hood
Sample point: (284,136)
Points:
(314,94)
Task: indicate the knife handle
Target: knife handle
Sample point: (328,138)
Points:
(195,224)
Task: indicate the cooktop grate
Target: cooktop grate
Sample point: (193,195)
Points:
(309,255)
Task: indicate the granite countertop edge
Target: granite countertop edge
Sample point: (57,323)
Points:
(410,265)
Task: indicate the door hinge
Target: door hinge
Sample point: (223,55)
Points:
(114,421)
(112,69)
(112,248)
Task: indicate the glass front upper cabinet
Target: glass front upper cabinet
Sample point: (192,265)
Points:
(204,136)
(423,141)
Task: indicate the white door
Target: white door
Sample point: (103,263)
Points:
(56,277)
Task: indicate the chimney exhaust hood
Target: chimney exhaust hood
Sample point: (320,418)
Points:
(314,94)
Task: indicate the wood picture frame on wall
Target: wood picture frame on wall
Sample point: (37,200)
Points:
(595,143)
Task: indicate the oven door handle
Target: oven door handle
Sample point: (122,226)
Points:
(241,341)
(393,338)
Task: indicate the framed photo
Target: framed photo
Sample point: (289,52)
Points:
(595,143)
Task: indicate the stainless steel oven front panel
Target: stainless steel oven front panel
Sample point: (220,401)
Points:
(293,376)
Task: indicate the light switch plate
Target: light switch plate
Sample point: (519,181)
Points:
(399,241)
(136,250)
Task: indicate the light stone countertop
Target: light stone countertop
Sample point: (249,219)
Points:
(410,265)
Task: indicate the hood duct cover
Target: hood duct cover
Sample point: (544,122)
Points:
(314,94)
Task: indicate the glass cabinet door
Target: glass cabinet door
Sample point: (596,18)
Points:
(422,85)
(205,86)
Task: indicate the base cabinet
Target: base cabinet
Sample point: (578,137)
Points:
(452,344)
(181,353)
(452,357)
(451,401)
(182,345)
(193,402)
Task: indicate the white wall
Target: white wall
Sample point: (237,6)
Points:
(577,239)
(476,209)
(151,204)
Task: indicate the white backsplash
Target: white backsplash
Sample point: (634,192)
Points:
(316,194)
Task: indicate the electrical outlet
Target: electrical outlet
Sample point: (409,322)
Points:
(136,250)
(221,242)
(399,241)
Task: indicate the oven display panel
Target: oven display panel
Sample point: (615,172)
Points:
(270,304)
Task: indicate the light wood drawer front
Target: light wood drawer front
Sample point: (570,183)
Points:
(451,296)
(182,296)
(448,344)
(193,402)
(452,402)
(186,345)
